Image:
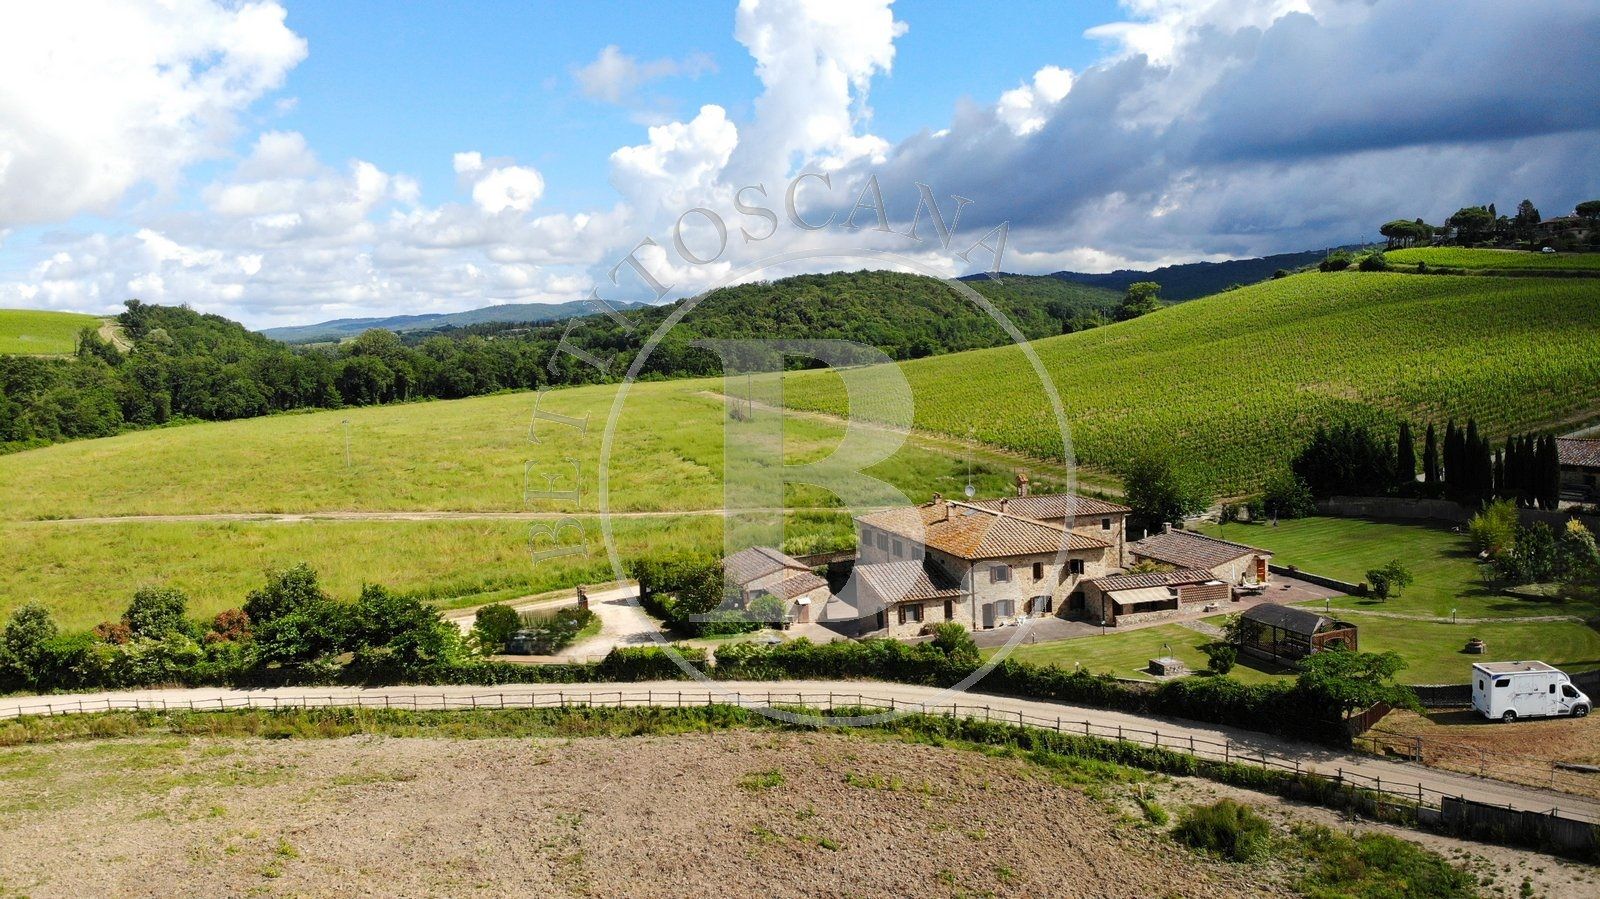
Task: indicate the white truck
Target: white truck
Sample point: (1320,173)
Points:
(1506,691)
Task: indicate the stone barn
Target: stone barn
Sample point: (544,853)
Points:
(1229,562)
(1131,598)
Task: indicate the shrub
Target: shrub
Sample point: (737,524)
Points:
(1374,262)
(1225,828)
(115,632)
(1375,865)
(1494,530)
(156,612)
(1222,657)
(1338,260)
(23,640)
(287,590)
(230,625)
(1389,580)
(952,639)
(493,626)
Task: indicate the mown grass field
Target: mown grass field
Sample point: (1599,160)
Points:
(30,332)
(1476,258)
(470,455)
(86,573)
(1234,383)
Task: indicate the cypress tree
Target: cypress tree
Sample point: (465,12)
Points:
(1406,457)
(1430,456)
(1500,488)
(1452,457)
(1552,484)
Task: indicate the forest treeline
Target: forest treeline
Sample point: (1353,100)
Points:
(184,365)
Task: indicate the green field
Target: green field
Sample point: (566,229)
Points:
(30,332)
(1473,258)
(471,455)
(1235,382)
(86,573)
(459,456)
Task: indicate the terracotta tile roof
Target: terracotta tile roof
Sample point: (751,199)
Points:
(1186,549)
(1177,578)
(1050,506)
(746,565)
(890,582)
(969,532)
(799,585)
(1584,453)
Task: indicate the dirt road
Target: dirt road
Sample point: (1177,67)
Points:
(622,622)
(1179,735)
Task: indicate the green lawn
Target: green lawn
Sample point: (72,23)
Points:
(1127,653)
(1474,258)
(30,332)
(1441,561)
(1433,651)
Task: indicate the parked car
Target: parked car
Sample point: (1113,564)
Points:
(1506,691)
(1548,250)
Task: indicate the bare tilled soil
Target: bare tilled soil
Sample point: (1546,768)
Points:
(725,814)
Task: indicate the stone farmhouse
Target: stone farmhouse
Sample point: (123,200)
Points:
(982,564)
(763,571)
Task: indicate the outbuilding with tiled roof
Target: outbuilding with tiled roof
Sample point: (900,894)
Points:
(1122,599)
(1580,468)
(1229,562)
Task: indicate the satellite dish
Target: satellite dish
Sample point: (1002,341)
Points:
(970,491)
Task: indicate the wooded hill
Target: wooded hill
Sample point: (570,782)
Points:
(186,365)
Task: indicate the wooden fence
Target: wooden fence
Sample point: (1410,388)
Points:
(1378,794)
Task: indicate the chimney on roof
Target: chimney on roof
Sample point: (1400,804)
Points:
(1003,503)
(1022,483)
(942,507)
(1166,527)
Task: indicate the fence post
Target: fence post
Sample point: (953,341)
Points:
(1119,733)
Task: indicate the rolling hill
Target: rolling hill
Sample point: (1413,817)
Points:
(1483,259)
(341,328)
(31,332)
(1235,382)
(1196,279)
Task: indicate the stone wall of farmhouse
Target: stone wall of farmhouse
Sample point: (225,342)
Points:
(932,613)
(1010,597)
(1116,536)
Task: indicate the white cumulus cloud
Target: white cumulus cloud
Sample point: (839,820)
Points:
(99,97)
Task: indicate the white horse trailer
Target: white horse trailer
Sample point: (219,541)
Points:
(1506,691)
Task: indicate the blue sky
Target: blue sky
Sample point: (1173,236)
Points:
(405,86)
(283,162)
